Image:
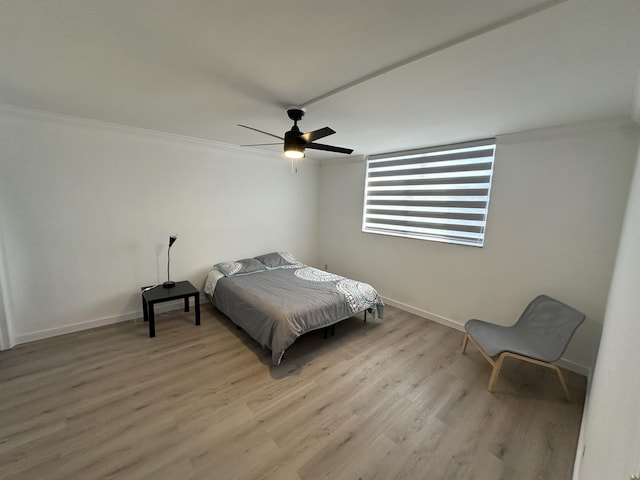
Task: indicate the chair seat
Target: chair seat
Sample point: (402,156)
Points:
(495,339)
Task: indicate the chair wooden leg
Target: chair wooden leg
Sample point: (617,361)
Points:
(543,364)
(497,365)
(487,357)
(495,372)
(562,382)
(464,342)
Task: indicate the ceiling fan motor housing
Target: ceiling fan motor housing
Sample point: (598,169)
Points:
(295,113)
(294,137)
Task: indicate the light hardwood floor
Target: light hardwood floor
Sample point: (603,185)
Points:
(392,399)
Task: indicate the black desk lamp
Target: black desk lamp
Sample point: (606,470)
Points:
(169,283)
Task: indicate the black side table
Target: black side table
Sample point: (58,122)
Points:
(160,294)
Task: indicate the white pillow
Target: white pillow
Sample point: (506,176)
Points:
(212,279)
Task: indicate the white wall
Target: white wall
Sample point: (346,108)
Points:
(611,427)
(87,209)
(557,203)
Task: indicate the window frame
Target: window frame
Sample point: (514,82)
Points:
(442,193)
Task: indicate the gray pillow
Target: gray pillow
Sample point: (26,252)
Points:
(278,260)
(246,265)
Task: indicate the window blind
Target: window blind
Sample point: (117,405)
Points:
(439,193)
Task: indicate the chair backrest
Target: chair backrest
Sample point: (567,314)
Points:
(549,325)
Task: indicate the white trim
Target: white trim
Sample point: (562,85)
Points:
(42,115)
(7,340)
(574,367)
(340,161)
(5,343)
(580,448)
(635,113)
(563,362)
(100,322)
(33,114)
(622,122)
(424,314)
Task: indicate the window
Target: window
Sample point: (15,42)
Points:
(439,194)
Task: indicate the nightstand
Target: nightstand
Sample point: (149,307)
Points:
(160,294)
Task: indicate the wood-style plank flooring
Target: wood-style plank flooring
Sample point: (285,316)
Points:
(391,399)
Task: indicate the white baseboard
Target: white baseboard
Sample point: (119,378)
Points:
(177,304)
(424,314)
(563,362)
(574,367)
(99,322)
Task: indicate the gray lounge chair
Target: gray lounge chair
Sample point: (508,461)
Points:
(540,336)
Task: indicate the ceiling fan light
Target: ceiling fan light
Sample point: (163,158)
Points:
(294,151)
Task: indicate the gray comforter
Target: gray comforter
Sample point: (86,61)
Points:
(277,306)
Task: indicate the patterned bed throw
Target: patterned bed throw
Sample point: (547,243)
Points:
(276,306)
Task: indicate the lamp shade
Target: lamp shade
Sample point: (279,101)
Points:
(169,283)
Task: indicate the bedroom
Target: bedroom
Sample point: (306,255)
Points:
(81,173)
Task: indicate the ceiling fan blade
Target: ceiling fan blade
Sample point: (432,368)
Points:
(329,148)
(317,134)
(260,144)
(261,131)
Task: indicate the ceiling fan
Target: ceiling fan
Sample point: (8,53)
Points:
(295,141)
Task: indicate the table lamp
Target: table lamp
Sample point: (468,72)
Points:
(169,283)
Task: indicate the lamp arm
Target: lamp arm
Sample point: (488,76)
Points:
(169,283)
(168,263)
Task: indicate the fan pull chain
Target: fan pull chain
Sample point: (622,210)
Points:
(294,166)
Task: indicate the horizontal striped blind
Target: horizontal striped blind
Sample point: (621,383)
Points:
(439,194)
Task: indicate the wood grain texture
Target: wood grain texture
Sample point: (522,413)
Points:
(392,399)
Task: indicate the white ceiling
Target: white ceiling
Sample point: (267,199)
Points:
(199,67)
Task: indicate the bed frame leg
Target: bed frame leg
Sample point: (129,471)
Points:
(330,330)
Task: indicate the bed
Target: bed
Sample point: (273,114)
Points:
(275,299)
